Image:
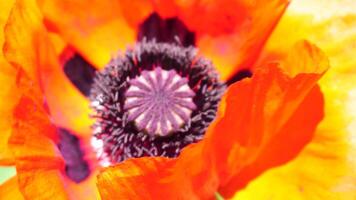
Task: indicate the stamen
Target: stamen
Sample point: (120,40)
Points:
(153,99)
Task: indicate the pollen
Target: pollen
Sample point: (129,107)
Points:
(159,101)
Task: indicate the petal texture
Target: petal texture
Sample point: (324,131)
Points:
(237,47)
(10,190)
(27,46)
(38,162)
(40,167)
(98,35)
(230,32)
(8,95)
(325,169)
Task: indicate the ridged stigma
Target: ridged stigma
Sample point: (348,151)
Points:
(159,101)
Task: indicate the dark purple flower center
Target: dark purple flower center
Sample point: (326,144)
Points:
(76,168)
(153,101)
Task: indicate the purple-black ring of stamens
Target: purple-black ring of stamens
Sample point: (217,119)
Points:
(121,139)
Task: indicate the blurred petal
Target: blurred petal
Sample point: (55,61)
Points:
(262,117)
(85,190)
(10,190)
(27,46)
(8,94)
(325,169)
(230,33)
(68,107)
(38,162)
(98,35)
(40,167)
(135,11)
(60,46)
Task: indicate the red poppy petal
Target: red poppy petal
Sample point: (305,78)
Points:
(8,95)
(279,107)
(38,162)
(323,170)
(136,179)
(231,33)
(39,165)
(10,190)
(27,46)
(97,35)
(284,146)
(166,9)
(259,113)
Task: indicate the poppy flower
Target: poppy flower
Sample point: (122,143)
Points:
(262,122)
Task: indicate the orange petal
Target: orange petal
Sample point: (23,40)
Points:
(23,22)
(58,43)
(10,190)
(286,104)
(28,46)
(86,189)
(98,35)
(5,11)
(38,162)
(325,169)
(263,117)
(39,165)
(135,11)
(141,178)
(8,94)
(68,107)
(231,33)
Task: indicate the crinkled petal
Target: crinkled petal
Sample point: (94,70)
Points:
(27,46)
(136,180)
(273,112)
(8,94)
(279,115)
(96,29)
(32,142)
(231,33)
(9,98)
(10,190)
(325,169)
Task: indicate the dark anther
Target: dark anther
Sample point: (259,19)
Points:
(244,73)
(80,73)
(166,30)
(153,101)
(76,168)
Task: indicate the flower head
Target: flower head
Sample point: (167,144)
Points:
(156,115)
